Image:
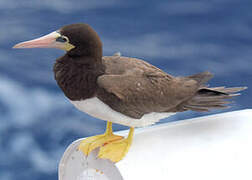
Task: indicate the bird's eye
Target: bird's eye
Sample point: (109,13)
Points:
(62,39)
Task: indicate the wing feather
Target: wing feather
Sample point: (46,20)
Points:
(134,87)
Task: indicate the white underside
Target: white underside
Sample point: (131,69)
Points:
(98,109)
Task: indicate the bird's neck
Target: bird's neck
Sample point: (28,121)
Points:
(77,76)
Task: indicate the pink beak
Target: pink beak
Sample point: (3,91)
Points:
(47,41)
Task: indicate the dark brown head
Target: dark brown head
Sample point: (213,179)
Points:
(76,39)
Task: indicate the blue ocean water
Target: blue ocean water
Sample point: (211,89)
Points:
(181,37)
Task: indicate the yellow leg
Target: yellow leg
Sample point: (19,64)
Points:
(117,150)
(91,143)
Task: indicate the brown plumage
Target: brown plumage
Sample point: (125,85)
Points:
(134,87)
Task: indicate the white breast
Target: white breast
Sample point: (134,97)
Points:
(98,109)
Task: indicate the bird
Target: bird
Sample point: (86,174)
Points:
(123,90)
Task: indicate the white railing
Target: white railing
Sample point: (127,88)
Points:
(216,147)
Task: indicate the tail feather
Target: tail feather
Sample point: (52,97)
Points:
(207,98)
(205,109)
(228,90)
(212,98)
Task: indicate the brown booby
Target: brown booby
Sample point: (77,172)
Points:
(123,90)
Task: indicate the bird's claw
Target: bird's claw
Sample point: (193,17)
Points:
(93,142)
(115,151)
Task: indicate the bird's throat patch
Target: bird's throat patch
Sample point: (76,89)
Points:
(68,46)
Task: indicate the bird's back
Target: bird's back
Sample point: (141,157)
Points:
(135,87)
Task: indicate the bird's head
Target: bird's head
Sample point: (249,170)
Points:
(76,39)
